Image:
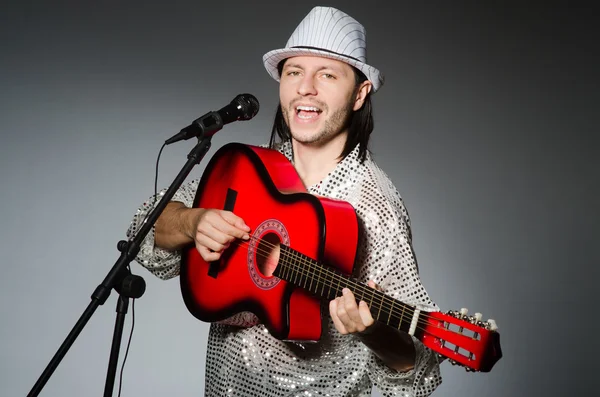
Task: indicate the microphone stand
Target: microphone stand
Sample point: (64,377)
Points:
(120,277)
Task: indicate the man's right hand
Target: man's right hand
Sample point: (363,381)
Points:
(210,230)
(214,230)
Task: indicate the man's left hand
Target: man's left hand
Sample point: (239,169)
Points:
(349,317)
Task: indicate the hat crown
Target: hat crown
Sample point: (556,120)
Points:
(332,30)
(330,33)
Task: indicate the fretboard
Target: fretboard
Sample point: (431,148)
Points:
(327,283)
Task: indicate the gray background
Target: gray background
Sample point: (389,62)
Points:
(486,124)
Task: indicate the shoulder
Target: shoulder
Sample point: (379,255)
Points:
(379,199)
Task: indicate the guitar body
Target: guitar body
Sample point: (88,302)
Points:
(262,187)
(317,238)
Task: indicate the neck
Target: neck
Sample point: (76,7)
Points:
(314,161)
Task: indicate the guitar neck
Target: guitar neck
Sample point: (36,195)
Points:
(327,283)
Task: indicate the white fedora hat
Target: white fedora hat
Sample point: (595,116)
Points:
(330,33)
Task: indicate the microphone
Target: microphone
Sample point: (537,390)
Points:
(242,107)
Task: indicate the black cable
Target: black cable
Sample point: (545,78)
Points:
(156,174)
(133,300)
(128,344)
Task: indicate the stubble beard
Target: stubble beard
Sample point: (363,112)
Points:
(336,124)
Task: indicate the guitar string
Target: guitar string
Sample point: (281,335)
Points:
(303,259)
(400,318)
(373,292)
(303,271)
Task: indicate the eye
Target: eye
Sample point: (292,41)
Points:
(328,76)
(293,73)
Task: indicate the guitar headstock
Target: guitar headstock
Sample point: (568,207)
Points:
(464,339)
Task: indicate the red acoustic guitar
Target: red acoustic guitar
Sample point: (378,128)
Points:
(317,239)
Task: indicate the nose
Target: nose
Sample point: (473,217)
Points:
(307,86)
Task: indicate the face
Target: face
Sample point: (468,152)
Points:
(317,97)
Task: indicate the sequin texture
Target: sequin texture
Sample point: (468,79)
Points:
(248,361)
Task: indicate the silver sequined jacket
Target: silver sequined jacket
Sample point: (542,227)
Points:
(248,361)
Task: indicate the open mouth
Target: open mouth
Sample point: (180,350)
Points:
(307,112)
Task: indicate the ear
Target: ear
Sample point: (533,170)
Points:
(361,94)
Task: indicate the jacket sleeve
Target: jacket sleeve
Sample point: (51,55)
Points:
(389,260)
(167,264)
(162,263)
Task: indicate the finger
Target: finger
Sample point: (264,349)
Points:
(206,254)
(351,308)
(210,232)
(347,312)
(365,314)
(372,284)
(228,229)
(333,309)
(218,228)
(209,242)
(235,220)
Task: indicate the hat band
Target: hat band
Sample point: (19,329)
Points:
(329,51)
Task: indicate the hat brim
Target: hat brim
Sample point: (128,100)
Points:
(272,58)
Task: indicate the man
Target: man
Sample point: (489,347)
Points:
(323,124)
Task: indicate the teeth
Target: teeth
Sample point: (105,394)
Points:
(308,108)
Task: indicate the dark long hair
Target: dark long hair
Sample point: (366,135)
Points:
(360,124)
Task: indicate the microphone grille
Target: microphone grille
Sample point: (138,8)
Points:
(248,105)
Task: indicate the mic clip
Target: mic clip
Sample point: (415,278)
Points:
(203,127)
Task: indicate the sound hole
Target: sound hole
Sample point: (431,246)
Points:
(267,254)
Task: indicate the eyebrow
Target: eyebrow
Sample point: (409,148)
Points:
(334,68)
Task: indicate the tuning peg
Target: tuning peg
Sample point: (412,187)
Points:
(492,324)
(476,319)
(463,312)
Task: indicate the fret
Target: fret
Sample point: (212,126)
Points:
(304,270)
(322,277)
(401,316)
(323,288)
(278,272)
(286,267)
(324,280)
(370,301)
(325,283)
(295,256)
(334,291)
(380,306)
(312,279)
(362,294)
(290,261)
(330,290)
(334,277)
(290,266)
(310,272)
